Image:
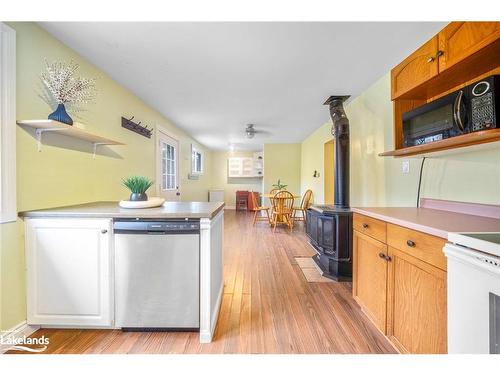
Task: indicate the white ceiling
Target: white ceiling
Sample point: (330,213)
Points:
(211,79)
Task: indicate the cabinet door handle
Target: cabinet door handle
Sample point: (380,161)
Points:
(439,53)
(430,59)
(410,243)
(365,225)
(104,231)
(385,257)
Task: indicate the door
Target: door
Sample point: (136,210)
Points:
(416,307)
(247,167)
(326,235)
(370,277)
(416,69)
(167,166)
(157,280)
(312,226)
(459,40)
(68,272)
(234,167)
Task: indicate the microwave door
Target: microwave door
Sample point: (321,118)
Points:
(426,127)
(433,121)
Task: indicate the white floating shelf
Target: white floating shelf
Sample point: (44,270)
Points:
(74,131)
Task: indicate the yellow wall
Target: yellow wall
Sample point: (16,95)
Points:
(328,172)
(282,161)
(64,172)
(377,181)
(219,179)
(312,158)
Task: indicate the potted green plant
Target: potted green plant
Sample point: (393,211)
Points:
(279,185)
(138,185)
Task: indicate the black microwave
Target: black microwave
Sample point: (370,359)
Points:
(472,108)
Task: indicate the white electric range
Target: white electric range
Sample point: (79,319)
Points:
(473,292)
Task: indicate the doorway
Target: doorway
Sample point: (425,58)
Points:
(328,171)
(167,166)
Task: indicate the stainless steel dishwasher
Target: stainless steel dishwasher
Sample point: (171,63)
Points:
(157,272)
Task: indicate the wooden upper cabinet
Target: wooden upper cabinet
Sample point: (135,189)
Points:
(416,69)
(459,40)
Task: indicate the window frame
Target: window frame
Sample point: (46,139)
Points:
(8,204)
(195,150)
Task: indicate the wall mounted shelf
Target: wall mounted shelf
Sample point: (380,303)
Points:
(465,140)
(42,126)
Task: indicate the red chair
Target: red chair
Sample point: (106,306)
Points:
(241,200)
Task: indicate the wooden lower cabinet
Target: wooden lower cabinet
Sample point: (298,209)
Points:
(370,283)
(416,304)
(402,290)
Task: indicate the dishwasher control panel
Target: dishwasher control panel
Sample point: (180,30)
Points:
(156,226)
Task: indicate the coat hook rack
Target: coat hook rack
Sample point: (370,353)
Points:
(136,127)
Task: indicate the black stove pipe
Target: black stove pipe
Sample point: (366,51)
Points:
(340,132)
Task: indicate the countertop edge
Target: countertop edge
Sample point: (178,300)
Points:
(404,223)
(53,213)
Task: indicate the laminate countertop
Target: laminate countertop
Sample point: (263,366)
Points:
(169,210)
(431,221)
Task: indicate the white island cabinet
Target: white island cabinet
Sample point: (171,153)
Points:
(69,272)
(70,256)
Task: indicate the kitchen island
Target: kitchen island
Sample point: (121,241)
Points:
(70,256)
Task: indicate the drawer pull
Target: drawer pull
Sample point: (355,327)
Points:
(104,231)
(381,255)
(410,243)
(365,225)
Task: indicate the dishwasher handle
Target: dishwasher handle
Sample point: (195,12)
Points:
(156,227)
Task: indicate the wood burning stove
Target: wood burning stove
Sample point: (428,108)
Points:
(329,227)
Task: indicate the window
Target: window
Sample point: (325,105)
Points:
(197,161)
(168,165)
(8,210)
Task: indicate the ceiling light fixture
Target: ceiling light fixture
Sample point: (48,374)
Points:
(250,131)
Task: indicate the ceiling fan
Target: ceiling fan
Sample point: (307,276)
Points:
(250,131)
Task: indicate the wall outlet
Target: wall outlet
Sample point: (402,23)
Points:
(405,166)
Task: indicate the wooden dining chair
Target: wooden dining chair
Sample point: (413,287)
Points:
(258,210)
(272,193)
(282,212)
(304,205)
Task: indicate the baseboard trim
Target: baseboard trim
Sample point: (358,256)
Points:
(22,329)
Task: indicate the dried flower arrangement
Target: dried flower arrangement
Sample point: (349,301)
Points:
(61,87)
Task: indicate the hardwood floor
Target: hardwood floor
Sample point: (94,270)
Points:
(267,307)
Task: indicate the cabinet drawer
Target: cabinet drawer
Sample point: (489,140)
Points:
(370,226)
(419,245)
